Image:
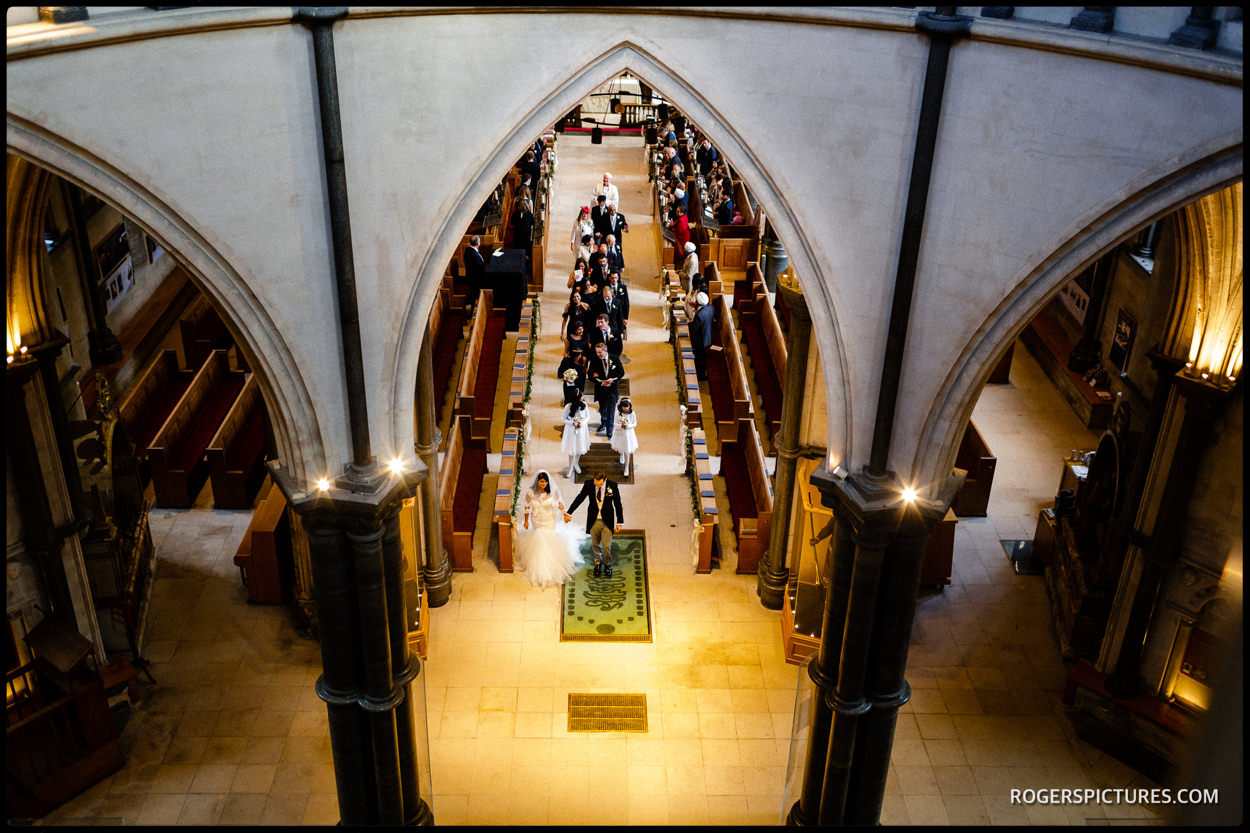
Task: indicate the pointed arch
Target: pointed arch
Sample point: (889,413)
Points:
(1153,196)
(628,55)
(297,433)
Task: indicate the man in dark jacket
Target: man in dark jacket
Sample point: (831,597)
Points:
(701,334)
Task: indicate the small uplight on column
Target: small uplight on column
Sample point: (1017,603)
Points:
(323,485)
(909,494)
(396,465)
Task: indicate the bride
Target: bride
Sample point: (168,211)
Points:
(549,549)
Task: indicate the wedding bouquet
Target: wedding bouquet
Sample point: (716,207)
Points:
(570,376)
(577,423)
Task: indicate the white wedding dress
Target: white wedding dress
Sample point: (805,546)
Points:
(550,549)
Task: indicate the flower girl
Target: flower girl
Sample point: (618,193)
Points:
(576,439)
(625,437)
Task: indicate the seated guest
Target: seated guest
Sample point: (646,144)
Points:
(474,268)
(604,334)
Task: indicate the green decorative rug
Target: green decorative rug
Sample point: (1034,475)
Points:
(616,609)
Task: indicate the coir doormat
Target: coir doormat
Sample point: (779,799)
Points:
(603,609)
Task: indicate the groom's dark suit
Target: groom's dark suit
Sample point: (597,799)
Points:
(610,512)
(603,514)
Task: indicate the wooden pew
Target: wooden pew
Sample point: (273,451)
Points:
(974,456)
(176,455)
(479,370)
(765,343)
(1051,347)
(264,557)
(509,471)
(150,401)
(202,332)
(235,455)
(750,494)
(726,376)
(709,515)
(445,328)
(712,284)
(520,366)
(462,470)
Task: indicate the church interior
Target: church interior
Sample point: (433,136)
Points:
(1070,612)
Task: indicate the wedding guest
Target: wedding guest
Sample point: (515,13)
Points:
(576,439)
(625,438)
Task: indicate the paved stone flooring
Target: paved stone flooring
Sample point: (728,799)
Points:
(234,734)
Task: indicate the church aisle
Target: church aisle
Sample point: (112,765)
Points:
(720,695)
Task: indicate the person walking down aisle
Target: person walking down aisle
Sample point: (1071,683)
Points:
(549,550)
(625,438)
(603,517)
(576,439)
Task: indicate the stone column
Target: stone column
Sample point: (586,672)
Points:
(436,571)
(823,672)
(357,562)
(1173,468)
(773,571)
(1087,352)
(775,258)
(102,346)
(1200,30)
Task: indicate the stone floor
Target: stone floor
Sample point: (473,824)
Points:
(234,734)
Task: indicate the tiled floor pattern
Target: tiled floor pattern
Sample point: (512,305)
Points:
(234,733)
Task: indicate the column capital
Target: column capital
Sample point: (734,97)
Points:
(796,302)
(874,508)
(357,501)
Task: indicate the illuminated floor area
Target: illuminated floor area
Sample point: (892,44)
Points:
(234,733)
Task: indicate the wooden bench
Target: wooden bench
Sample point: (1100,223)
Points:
(709,515)
(520,366)
(176,455)
(264,557)
(974,456)
(766,345)
(712,283)
(509,471)
(202,332)
(461,473)
(1052,348)
(479,369)
(150,401)
(444,330)
(726,376)
(235,455)
(750,494)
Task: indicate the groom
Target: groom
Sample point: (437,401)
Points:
(603,517)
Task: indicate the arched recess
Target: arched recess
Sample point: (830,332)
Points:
(294,419)
(1153,196)
(25,305)
(544,112)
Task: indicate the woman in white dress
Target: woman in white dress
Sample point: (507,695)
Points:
(576,439)
(549,549)
(582,227)
(625,437)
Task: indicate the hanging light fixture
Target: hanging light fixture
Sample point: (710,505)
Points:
(663,110)
(596,135)
(653,135)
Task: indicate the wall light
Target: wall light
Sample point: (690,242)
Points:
(323,485)
(909,494)
(397,465)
